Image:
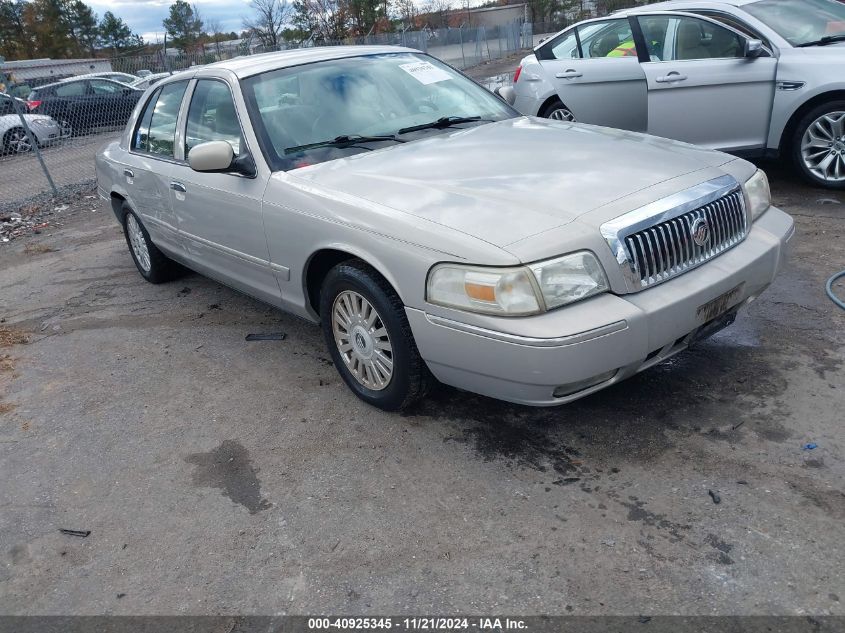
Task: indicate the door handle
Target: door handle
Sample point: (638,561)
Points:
(671,78)
(128,173)
(569,74)
(178,186)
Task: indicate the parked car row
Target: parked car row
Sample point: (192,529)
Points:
(432,230)
(81,104)
(751,77)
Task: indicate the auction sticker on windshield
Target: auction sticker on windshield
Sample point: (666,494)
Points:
(425,72)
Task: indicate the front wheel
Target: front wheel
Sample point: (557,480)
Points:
(818,147)
(16,141)
(369,338)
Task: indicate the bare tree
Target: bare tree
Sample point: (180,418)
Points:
(438,11)
(212,26)
(268,20)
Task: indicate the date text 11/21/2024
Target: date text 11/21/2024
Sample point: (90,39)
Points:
(417,624)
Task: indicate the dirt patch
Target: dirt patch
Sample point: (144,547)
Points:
(7,407)
(7,363)
(12,336)
(38,249)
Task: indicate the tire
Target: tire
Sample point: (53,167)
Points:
(16,141)
(153,265)
(558,112)
(827,125)
(409,380)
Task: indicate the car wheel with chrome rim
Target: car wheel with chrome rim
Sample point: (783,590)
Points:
(819,145)
(558,112)
(16,141)
(369,338)
(153,265)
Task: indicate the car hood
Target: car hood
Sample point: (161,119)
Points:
(505,181)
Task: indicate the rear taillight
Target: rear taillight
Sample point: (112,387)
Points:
(33,104)
(516,74)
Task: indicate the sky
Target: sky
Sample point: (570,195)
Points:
(144,16)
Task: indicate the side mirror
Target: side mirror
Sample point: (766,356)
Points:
(219,157)
(754,49)
(211,156)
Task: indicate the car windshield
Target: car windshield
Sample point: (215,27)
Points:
(358,98)
(801,21)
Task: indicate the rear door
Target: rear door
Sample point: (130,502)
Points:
(597,75)
(149,163)
(112,102)
(702,88)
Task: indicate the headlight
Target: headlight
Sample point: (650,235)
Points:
(517,291)
(569,278)
(758,197)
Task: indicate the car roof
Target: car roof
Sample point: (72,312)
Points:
(255,64)
(677,5)
(71,80)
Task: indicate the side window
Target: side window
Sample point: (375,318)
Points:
(566,47)
(612,38)
(212,116)
(684,38)
(142,130)
(6,106)
(71,89)
(162,134)
(100,87)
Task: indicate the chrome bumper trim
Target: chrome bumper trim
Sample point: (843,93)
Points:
(530,341)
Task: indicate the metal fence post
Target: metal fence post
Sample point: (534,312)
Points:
(34,144)
(461,35)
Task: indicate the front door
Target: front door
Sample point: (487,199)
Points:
(220,215)
(597,75)
(702,88)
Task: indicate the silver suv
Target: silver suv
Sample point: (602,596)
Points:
(751,77)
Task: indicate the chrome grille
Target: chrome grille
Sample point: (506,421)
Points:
(656,242)
(668,249)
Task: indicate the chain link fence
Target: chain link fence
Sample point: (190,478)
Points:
(58,113)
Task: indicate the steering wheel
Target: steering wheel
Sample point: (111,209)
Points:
(426,104)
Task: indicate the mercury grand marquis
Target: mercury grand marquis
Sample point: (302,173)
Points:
(434,232)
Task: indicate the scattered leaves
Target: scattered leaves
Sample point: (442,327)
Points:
(11,336)
(38,249)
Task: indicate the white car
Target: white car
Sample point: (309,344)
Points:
(124,78)
(751,77)
(142,83)
(13,137)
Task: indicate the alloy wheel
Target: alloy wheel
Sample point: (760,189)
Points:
(362,340)
(562,114)
(138,242)
(19,142)
(823,147)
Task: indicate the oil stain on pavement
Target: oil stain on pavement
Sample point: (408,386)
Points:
(229,468)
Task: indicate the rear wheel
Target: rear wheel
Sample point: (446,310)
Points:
(558,112)
(153,265)
(16,141)
(369,338)
(818,146)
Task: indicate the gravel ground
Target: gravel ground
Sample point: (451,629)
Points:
(223,476)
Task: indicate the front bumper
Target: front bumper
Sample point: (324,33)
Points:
(618,335)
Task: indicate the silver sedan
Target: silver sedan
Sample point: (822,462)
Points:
(432,231)
(752,77)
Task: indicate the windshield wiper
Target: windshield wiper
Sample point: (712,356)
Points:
(442,123)
(827,39)
(344,140)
